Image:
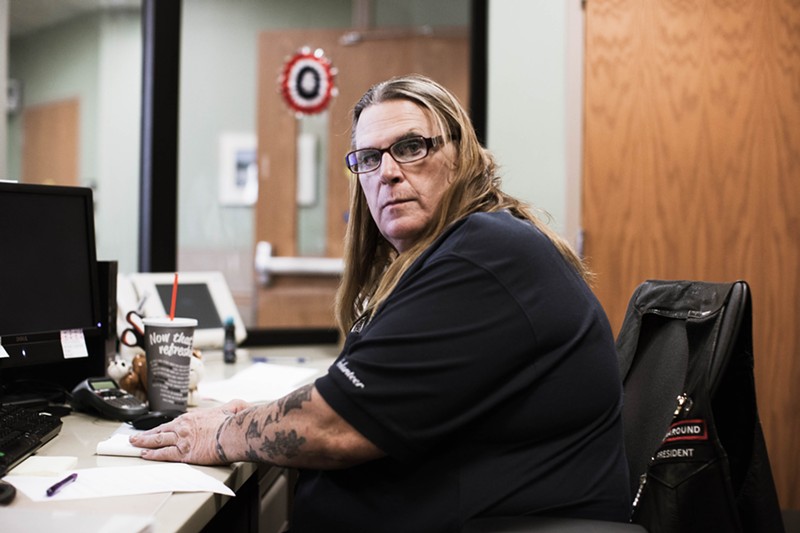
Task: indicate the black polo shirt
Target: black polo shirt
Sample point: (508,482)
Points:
(490,379)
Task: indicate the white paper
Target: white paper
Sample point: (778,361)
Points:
(73,344)
(118,444)
(259,382)
(120,481)
(46,465)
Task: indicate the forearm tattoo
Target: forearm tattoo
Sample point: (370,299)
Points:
(220,451)
(294,400)
(283,443)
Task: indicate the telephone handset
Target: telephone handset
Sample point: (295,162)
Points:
(102,395)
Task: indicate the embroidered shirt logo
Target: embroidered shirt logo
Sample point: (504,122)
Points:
(342,366)
(687,430)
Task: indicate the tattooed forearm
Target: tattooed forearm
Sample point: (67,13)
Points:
(284,445)
(252,430)
(295,399)
(220,451)
(299,430)
(263,438)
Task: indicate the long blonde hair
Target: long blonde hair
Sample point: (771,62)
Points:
(372,266)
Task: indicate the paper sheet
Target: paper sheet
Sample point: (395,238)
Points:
(45,465)
(259,382)
(118,444)
(121,481)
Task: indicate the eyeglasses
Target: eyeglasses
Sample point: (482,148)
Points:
(405,150)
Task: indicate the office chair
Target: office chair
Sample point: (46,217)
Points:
(678,335)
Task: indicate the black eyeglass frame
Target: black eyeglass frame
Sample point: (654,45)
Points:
(431,145)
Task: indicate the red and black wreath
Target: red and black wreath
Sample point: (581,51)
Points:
(306,82)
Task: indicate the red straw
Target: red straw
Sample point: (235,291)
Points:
(174,297)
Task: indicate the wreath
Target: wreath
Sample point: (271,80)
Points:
(306,82)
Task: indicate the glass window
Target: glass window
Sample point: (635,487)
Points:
(219,109)
(75,75)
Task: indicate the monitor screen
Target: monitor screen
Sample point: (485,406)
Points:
(49,290)
(204,296)
(192,300)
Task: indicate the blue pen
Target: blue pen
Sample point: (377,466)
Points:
(61,484)
(278,359)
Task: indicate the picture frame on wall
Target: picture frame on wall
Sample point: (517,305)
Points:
(238,169)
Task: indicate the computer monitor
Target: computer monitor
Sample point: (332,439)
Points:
(51,314)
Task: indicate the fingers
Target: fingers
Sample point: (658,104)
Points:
(189,438)
(168,426)
(155,438)
(163,446)
(177,441)
(170,454)
(160,445)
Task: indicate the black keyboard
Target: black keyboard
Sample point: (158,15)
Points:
(23,430)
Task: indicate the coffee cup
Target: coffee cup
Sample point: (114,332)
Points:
(168,349)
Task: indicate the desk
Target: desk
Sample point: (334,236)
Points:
(259,488)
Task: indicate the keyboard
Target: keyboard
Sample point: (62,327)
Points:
(23,430)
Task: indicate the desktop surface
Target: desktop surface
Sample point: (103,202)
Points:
(163,512)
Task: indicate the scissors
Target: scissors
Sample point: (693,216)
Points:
(134,335)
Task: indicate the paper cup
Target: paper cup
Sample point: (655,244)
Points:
(168,348)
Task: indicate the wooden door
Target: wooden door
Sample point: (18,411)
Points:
(50,143)
(692,170)
(307,301)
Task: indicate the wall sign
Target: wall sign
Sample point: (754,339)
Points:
(306,82)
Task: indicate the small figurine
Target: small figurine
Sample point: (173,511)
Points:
(118,369)
(132,377)
(139,370)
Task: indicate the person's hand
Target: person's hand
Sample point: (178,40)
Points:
(234,406)
(190,438)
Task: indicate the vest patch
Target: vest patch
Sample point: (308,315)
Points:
(687,430)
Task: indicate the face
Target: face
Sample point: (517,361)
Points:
(402,198)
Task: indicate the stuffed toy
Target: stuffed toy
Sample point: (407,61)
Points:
(132,376)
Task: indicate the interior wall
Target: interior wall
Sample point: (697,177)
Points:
(533,104)
(95,59)
(119,80)
(3,82)
(57,64)
(218,95)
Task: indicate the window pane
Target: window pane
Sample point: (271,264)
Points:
(219,84)
(86,58)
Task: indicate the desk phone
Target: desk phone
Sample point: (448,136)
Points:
(105,397)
